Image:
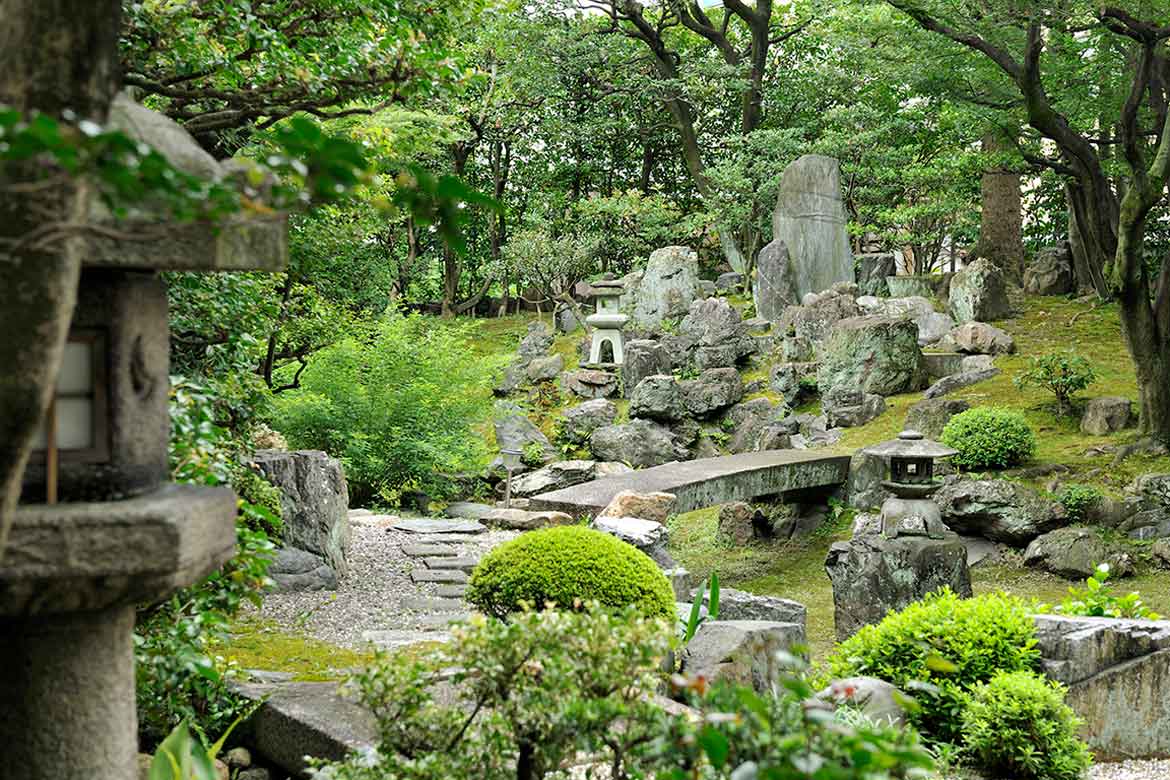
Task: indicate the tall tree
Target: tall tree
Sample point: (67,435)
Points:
(1001,227)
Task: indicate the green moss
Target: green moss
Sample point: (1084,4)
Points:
(258,644)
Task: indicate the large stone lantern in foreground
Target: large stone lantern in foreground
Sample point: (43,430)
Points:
(99,530)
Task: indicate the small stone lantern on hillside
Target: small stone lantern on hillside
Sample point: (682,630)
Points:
(607,324)
(910,511)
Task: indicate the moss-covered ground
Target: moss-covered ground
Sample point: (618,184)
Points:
(258,644)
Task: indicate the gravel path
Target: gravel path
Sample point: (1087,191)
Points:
(370,596)
(1132,770)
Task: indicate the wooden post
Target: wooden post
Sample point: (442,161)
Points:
(52,459)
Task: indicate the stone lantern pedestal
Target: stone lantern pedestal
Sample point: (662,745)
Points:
(73,572)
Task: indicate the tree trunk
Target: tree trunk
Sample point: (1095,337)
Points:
(1001,229)
(54,55)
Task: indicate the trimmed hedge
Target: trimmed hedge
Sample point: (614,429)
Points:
(989,437)
(568,566)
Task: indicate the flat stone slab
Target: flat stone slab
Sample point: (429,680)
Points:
(427,604)
(462,563)
(451,591)
(467,510)
(438,525)
(438,621)
(395,639)
(706,482)
(446,538)
(429,550)
(438,575)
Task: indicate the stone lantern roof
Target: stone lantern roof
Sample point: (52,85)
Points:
(910,444)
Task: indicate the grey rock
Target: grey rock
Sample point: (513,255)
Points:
(796,349)
(874,355)
(643,358)
(581,421)
(999,510)
(561,474)
(932,327)
(741,651)
(467,510)
(639,443)
(732,281)
(850,408)
(979,338)
(438,575)
(536,343)
(314,502)
(590,383)
(524,520)
(294,571)
(463,563)
(705,288)
(974,363)
(667,286)
(872,270)
(516,432)
(715,334)
(813,320)
(810,219)
(949,384)
(742,412)
(740,605)
(872,575)
(931,415)
(740,523)
(757,326)
(567,319)
(1072,553)
(1051,273)
(1106,415)
(878,700)
(979,292)
(451,591)
(775,286)
(658,397)
(545,369)
(866,474)
(438,525)
(648,536)
(680,582)
(429,550)
(513,377)
(712,391)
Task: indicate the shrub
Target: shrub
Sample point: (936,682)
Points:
(1077,500)
(1096,599)
(1062,373)
(397,409)
(989,437)
(949,643)
(567,566)
(1017,725)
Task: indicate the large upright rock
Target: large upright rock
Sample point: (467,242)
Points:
(1051,273)
(643,358)
(872,270)
(810,220)
(872,355)
(979,292)
(314,502)
(714,334)
(667,287)
(514,431)
(775,286)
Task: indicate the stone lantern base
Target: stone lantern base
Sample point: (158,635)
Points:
(69,581)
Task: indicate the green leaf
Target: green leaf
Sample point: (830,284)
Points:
(715,745)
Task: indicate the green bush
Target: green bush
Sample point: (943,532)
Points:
(989,437)
(1017,725)
(398,409)
(568,566)
(1077,500)
(1062,373)
(950,644)
(1097,599)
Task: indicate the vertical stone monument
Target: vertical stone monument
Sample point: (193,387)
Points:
(99,530)
(810,220)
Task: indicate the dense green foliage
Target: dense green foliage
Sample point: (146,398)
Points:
(1064,374)
(1017,725)
(1078,501)
(396,405)
(938,649)
(989,438)
(567,566)
(1097,599)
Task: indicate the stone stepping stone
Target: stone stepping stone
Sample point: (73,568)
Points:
(468,510)
(438,622)
(446,538)
(428,550)
(392,640)
(427,604)
(438,575)
(463,563)
(451,591)
(436,525)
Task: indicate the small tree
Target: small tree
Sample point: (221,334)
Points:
(1062,373)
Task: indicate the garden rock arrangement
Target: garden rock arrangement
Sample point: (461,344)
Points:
(979,292)
(666,288)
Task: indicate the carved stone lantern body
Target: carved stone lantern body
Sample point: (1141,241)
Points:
(607,324)
(911,511)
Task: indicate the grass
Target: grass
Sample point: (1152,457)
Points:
(260,644)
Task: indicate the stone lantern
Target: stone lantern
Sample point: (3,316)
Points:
(99,530)
(607,324)
(910,511)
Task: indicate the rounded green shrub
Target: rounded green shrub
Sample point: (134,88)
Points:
(952,644)
(568,566)
(1018,725)
(989,437)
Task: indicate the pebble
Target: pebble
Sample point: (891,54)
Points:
(1132,770)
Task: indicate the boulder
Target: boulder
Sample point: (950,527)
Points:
(639,443)
(949,384)
(872,270)
(561,474)
(740,605)
(712,391)
(739,524)
(796,349)
(658,397)
(1051,273)
(933,327)
(643,358)
(514,431)
(979,338)
(705,288)
(645,506)
(714,334)
(775,287)
(872,575)
(931,415)
(667,287)
(979,293)
(846,408)
(729,282)
(581,421)
(523,520)
(294,571)
(741,651)
(567,319)
(536,342)
(314,502)
(866,474)
(789,380)
(1106,415)
(999,510)
(648,536)
(973,363)
(878,700)
(545,369)
(590,383)
(813,319)
(742,412)
(1072,553)
(810,220)
(873,355)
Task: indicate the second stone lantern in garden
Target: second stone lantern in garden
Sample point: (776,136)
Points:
(607,348)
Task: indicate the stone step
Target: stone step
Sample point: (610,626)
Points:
(425,550)
(462,563)
(451,591)
(445,538)
(438,622)
(428,604)
(436,525)
(399,638)
(438,575)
